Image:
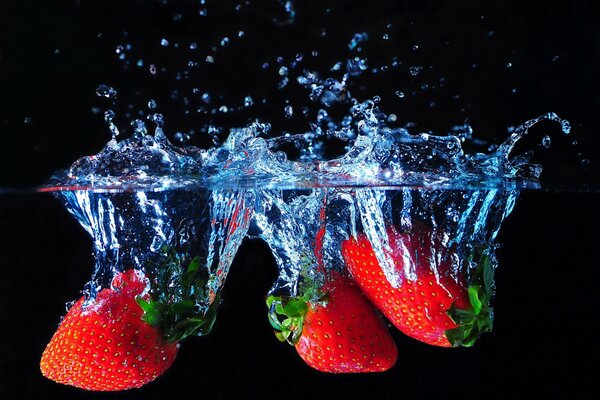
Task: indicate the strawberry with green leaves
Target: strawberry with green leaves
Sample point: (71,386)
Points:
(334,329)
(432,306)
(129,334)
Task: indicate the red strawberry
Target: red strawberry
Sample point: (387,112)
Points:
(129,335)
(107,346)
(338,333)
(432,306)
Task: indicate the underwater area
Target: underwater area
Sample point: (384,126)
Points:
(241,166)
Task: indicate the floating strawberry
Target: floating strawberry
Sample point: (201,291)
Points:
(432,306)
(126,338)
(338,332)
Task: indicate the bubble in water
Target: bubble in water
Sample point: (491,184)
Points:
(399,94)
(27,120)
(153,69)
(152,104)
(164,42)
(585,162)
(248,101)
(224,41)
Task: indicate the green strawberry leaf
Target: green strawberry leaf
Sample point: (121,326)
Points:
(471,323)
(179,295)
(286,314)
(474,298)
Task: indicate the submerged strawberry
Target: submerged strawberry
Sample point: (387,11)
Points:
(108,346)
(433,306)
(129,334)
(338,332)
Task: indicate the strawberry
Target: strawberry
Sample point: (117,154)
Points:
(107,346)
(432,306)
(338,332)
(130,333)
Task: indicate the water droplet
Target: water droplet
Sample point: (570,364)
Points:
(566,127)
(546,141)
(283,71)
(585,162)
(356,39)
(182,137)
(248,101)
(164,42)
(414,71)
(241,34)
(210,59)
(140,63)
(224,41)
(193,46)
(508,65)
(27,120)
(288,111)
(385,36)
(415,47)
(223,109)
(109,115)
(106,91)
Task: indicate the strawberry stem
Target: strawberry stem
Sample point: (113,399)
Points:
(178,308)
(472,323)
(287,313)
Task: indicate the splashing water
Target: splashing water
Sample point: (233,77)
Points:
(420,200)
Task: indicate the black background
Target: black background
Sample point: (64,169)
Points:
(546,302)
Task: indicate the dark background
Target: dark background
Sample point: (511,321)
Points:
(546,301)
